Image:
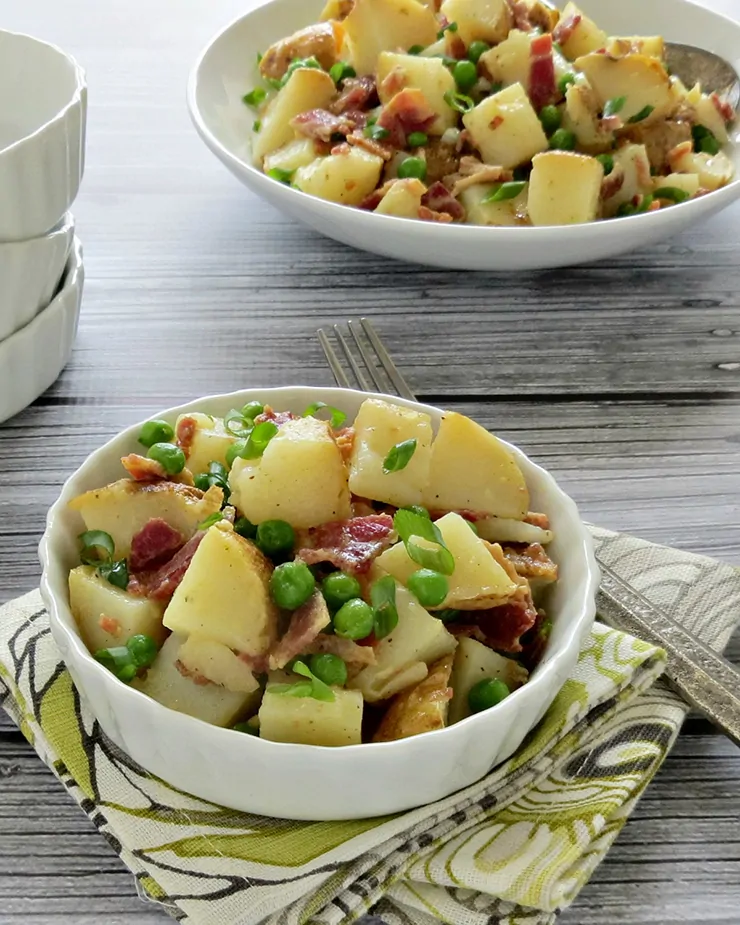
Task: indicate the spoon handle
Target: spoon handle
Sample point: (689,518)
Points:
(701,676)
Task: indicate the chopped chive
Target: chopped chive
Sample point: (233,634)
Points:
(383,600)
(503,191)
(256,125)
(614,106)
(215,518)
(416,49)
(705,141)
(459,101)
(399,456)
(671,193)
(255,97)
(641,115)
(282,176)
(337,417)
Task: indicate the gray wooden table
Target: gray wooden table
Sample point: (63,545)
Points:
(623,378)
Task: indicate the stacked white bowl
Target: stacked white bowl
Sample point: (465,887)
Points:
(43,109)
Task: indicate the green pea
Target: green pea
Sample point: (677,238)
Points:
(202,481)
(413,167)
(430,588)
(155,432)
(169,456)
(607,162)
(252,409)
(416,49)
(244,527)
(417,139)
(354,620)
(338,588)
(291,585)
(275,537)
(551,118)
(477,49)
(566,81)
(466,75)
(417,509)
(329,668)
(143,650)
(486,694)
(563,140)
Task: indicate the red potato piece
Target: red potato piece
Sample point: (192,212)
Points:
(321,41)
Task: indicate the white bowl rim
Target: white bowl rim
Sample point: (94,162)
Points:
(71,280)
(54,596)
(659,219)
(74,100)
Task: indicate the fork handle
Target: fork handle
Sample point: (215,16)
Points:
(701,676)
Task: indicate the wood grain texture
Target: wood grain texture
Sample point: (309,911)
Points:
(622,377)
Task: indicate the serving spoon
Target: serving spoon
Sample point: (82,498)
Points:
(697,65)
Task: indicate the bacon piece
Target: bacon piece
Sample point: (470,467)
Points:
(276,417)
(185,434)
(305,625)
(723,107)
(532,563)
(538,520)
(395,81)
(343,148)
(611,123)
(321,124)
(109,625)
(612,183)
(566,27)
(373,200)
(455,47)
(504,626)
(485,174)
(195,676)
(320,41)
(259,664)
(154,543)
(351,652)
(543,88)
(160,584)
(439,199)
(143,469)
(350,545)
(357,94)
(345,440)
(408,111)
(429,215)
(520,15)
(358,139)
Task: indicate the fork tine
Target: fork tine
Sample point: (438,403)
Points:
(380,386)
(340,377)
(362,381)
(389,366)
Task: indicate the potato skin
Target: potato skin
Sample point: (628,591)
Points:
(422,708)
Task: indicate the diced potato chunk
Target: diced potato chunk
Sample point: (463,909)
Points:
(477,583)
(403,199)
(651,45)
(686,182)
(379,426)
(216,662)
(108,616)
(511,61)
(642,81)
(209,443)
(346,178)
(714,171)
(423,708)
(708,115)
(484,20)
(475,662)
(209,702)
(501,530)
(632,161)
(396,72)
(225,594)
(307,721)
(473,470)
(374,26)
(510,212)
(585,37)
(564,188)
(297,153)
(301,478)
(582,117)
(308,88)
(401,658)
(505,128)
(124,507)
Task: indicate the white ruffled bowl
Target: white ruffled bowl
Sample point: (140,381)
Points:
(32,358)
(30,272)
(302,781)
(43,110)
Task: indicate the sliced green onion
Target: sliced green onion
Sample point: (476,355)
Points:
(115,573)
(298,63)
(399,456)
(411,526)
(645,203)
(383,599)
(319,690)
(614,106)
(256,443)
(341,71)
(416,49)
(274,83)
(459,101)
(257,125)
(236,424)
(438,560)
(337,417)
(255,97)
(408,523)
(705,141)
(282,176)
(447,616)
(125,661)
(503,191)
(641,115)
(297,689)
(607,162)
(215,518)
(92,540)
(672,194)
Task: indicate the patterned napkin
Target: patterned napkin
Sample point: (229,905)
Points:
(514,848)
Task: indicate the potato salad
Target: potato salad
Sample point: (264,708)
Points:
(485,112)
(291,577)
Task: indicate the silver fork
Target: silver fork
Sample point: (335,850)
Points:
(702,677)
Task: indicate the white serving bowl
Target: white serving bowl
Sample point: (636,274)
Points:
(32,358)
(43,109)
(259,776)
(227,69)
(29,274)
